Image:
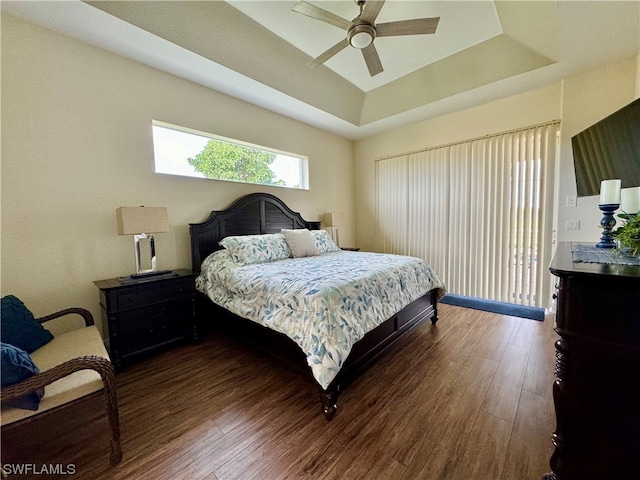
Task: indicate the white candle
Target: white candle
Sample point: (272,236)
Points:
(630,200)
(610,192)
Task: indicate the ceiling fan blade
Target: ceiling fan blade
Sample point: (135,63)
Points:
(372,60)
(320,14)
(319,60)
(416,26)
(371,10)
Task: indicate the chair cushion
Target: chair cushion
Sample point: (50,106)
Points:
(77,343)
(19,327)
(16,365)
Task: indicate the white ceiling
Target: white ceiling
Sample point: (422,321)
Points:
(257,51)
(399,55)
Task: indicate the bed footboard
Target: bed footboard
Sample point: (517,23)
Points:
(375,343)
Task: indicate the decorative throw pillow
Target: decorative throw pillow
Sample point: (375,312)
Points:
(324,242)
(300,242)
(16,365)
(249,249)
(20,328)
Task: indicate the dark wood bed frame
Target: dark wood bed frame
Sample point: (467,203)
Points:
(261,213)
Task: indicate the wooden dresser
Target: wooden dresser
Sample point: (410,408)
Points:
(597,390)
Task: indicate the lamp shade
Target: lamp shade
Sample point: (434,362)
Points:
(136,220)
(333,219)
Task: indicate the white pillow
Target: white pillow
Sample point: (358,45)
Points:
(300,242)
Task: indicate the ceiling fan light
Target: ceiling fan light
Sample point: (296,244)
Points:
(361,40)
(361,36)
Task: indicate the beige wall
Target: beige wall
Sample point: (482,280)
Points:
(638,74)
(586,99)
(77,144)
(577,101)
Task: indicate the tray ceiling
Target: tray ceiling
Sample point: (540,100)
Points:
(258,51)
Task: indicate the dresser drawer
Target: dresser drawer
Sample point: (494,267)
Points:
(159,293)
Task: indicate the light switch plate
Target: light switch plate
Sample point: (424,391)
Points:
(572,225)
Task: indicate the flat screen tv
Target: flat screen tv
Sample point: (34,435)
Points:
(608,149)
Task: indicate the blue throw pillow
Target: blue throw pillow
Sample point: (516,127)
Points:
(19,328)
(16,365)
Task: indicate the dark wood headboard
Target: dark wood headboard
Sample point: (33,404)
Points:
(253,214)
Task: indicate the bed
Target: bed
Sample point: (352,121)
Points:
(302,303)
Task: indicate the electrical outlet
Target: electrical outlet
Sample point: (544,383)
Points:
(571,202)
(572,225)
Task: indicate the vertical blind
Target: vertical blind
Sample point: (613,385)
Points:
(480,212)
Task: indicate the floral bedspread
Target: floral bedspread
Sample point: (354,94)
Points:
(324,303)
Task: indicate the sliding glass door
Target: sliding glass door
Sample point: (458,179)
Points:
(480,212)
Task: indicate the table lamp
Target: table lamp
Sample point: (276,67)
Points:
(142,223)
(333,220)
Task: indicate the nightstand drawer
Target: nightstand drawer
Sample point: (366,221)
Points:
(160,293)
(153,336)
(148,317)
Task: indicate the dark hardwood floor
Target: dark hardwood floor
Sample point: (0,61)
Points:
(467,399)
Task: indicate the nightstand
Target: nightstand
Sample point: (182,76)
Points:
(141,315)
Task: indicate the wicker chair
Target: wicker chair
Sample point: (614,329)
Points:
(68,366)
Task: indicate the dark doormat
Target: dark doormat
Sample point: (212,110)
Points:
(504,308)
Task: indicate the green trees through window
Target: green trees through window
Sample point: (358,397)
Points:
(228,161)
(181,151)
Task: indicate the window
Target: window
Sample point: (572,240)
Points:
(182,151)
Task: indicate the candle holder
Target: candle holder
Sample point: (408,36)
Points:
(607,223)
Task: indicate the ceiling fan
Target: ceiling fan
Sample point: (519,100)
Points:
(362,30)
